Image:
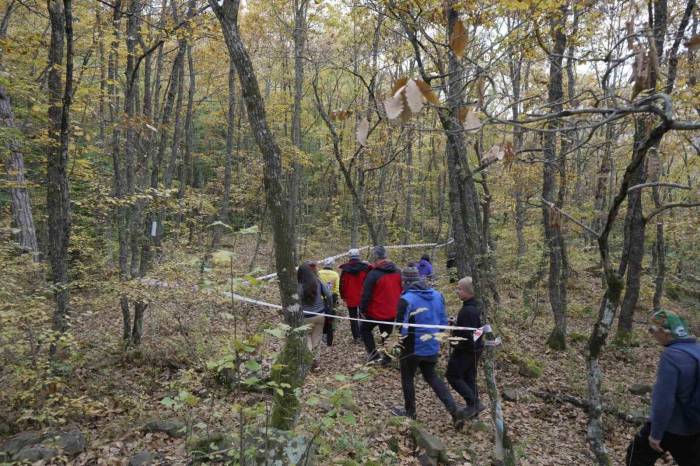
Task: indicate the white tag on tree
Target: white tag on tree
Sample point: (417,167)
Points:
(154,228)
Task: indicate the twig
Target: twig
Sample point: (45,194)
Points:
(577,222)
(657,183)
(663,208)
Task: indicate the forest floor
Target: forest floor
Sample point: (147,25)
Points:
(110,395)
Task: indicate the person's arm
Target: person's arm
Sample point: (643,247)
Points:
(367,289)
(341,290)
(401,310)
(442,313)
(663,397)
(326,295)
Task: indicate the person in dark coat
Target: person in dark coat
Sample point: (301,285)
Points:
(421,304)
(674,425)
(380,297)
(352,276)
(464,360)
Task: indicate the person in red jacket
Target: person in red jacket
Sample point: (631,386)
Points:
(352,277)
(380,298)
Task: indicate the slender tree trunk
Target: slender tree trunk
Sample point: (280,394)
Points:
(189,123)
(228,167)
(21,204)
(299,36)
(57,190)
(554,242)
(294,358)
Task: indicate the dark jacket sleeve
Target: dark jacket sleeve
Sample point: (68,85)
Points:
(342,279)
(368,288)
(401,310)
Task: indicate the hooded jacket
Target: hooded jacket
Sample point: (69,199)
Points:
(381,291)
(352,276)
(676,389)
(420,304)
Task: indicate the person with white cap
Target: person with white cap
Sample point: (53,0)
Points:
(352,277)
(331,279)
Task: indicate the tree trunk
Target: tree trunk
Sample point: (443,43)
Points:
(299,36)
(57,190)
(228,167)
(189,124)
(554,242)
(294,359)
(21,204)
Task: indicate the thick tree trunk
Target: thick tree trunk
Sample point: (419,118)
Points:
(294,358)
(554,241)
(21,204)
(57,191)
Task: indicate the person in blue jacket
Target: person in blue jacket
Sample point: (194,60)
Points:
(674,425)
(425,267)
(420,304)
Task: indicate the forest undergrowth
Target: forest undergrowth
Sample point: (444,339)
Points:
(183,369)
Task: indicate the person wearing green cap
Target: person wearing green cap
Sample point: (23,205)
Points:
(674,425)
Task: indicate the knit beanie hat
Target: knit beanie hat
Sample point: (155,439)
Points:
(410,275)
(354,253)
(328,262)
(672,322)
(379,252)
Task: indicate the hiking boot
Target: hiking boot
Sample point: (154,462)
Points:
(399,411)
(459,417)
(474,410)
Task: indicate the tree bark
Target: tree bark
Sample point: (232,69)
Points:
(21,205)
(228,167)
(294,359)
(57,189)
(554,241)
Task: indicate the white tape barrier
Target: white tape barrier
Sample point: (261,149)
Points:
(478,331)
(395,246)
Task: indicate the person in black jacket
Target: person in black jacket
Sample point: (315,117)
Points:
(464,360)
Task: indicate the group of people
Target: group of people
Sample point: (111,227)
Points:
(380,295)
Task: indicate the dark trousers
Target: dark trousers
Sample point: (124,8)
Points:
(685,449)
(461,374)
(354,325)
(368,337)
(409,364)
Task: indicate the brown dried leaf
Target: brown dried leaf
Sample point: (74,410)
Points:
(427,91)
(479,87)
(458,39)
(414,97)
(693,43)
(398,85)
(509,155)
(471,121)
(629,26)
(362,132)
(406,114)
(393,105)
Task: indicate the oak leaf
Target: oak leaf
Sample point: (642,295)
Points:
(458,39)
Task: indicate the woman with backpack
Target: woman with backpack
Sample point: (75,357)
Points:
(313,296)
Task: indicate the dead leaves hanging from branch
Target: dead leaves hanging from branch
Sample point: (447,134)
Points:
(408,96)
(645,66)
